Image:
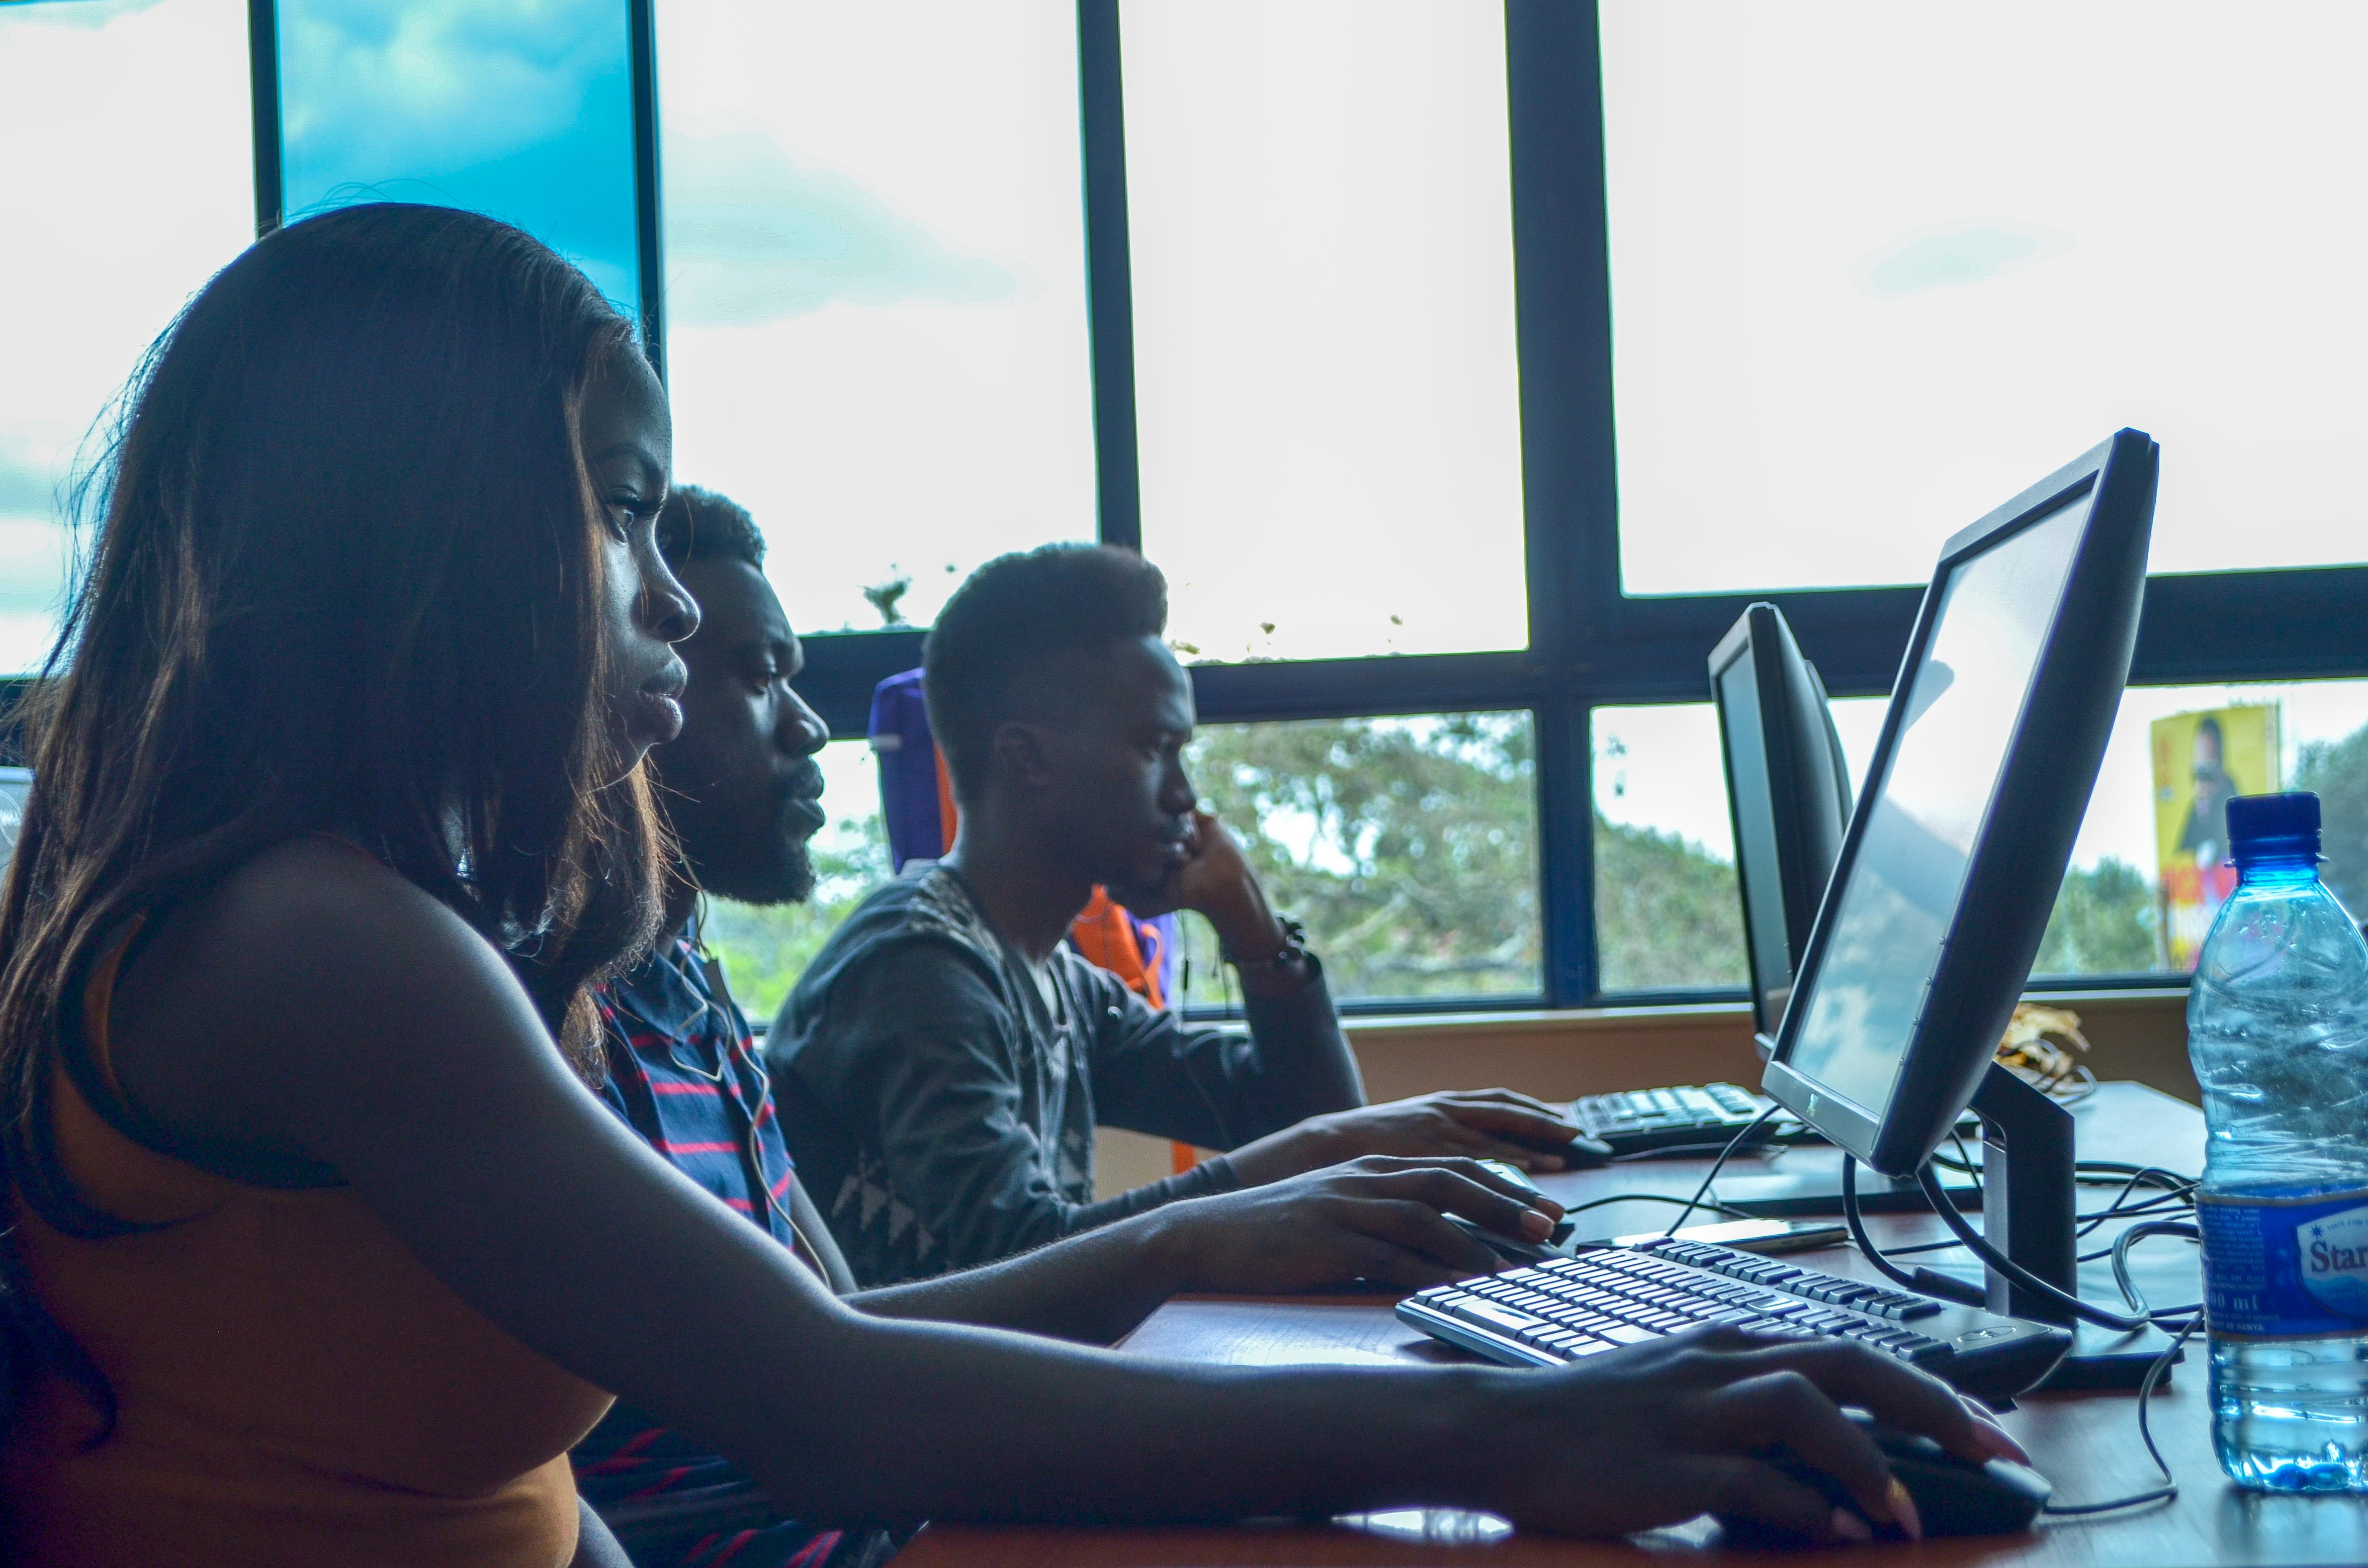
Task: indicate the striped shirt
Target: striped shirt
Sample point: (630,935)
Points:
(689,1080)
(684,1074)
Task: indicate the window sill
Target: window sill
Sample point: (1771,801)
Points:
(1630,1019)
(2135,1032)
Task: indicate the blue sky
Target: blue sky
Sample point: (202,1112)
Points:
(520,109)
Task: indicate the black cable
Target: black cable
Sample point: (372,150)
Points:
(2185,1319)
(1867,1249)
(2131,1237)
(1981,1248)
(2190,1320)
(2123,1167)
(2170,1487)
(2177,1192)
(1965,1159)
(2176,1195)
(1711,1175)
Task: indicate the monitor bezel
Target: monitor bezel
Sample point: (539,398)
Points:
(1997,929)
(1753,636)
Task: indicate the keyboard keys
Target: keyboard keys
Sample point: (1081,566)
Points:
(1568,1308)
(1489,1315)
(1855,1293)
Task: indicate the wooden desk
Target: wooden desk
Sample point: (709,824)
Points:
(2087,1443)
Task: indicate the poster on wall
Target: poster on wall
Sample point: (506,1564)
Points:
(2201,761)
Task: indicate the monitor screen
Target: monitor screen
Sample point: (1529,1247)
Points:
(1926,807)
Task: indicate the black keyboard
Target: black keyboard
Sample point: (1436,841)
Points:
(1637,1120)
(1566,1308)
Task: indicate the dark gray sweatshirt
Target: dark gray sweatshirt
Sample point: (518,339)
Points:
(940,1100)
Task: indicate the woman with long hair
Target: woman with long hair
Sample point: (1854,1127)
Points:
(321,1252)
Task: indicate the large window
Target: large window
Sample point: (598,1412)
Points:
(1320,220)
(1668,911)
(876,288)
(126,178)
(1876,268)
(2147,870)
(1467,367)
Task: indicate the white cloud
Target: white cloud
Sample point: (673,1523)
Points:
(754,237)
(1957,256)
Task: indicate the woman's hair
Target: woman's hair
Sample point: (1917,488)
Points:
(346,580)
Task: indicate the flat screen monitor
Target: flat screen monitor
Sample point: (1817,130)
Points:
(1788,793)
(1988,753)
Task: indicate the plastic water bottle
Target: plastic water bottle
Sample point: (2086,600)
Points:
(2277,1024)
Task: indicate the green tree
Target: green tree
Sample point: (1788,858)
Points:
(1667,914)
(2104,924)
(2337,772)
(765,950)
(1407,845)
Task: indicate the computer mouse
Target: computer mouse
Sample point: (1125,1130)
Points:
(1513,1249)
(1514,1174)
(1952,1496)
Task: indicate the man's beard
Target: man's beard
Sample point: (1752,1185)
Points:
(768,865)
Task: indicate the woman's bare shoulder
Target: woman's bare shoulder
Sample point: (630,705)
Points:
(310,963)
(311,915)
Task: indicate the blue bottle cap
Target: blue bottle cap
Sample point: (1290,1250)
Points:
(2263,827)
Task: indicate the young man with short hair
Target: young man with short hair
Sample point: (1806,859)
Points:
(944,1061)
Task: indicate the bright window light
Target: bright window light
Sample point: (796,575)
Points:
(876,288)
(128,179)
(1320,216)
(1877,268)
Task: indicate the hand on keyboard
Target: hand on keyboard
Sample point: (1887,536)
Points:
(1379,1218)
(1666,1429)
(1479,1124)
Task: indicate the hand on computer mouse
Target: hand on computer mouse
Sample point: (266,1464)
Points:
(1946,1495)
(1479,1124)
(1664,1430)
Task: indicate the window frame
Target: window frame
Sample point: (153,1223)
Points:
(1590,644)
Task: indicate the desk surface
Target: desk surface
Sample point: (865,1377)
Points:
(2087,1443)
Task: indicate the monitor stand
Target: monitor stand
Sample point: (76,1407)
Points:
(2027,1212)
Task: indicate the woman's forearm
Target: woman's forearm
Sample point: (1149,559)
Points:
(963,1424)
(1091,1288)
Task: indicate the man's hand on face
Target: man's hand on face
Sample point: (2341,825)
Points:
(1486,1124)
(1214,879)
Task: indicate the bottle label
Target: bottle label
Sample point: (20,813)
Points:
(2276,1267)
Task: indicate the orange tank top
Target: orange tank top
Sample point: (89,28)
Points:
(293,1386)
